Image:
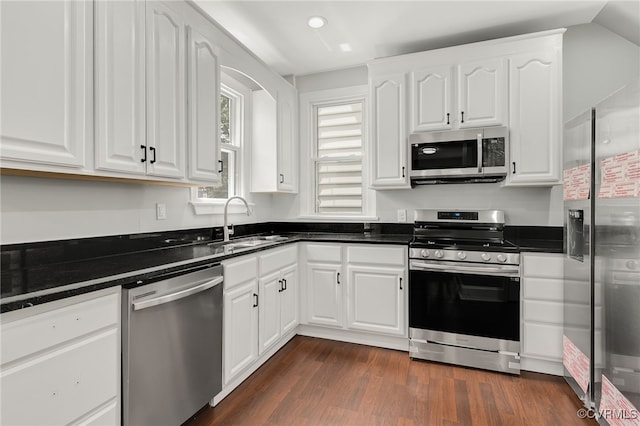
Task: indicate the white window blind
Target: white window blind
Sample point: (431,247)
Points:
(339,159)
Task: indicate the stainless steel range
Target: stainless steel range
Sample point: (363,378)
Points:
(464,290)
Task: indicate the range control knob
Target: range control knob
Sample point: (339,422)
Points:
(439,253)
(425,253)
(462,255)
(486,257)
(502,258)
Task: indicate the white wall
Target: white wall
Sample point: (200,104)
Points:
(597,62)
(36,209)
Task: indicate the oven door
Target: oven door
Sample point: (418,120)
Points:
(470,299)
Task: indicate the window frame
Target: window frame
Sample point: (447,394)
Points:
(240,97)
(309,103)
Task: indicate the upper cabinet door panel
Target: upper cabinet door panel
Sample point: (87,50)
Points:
(389,148)
(46,90)
(286,151)
(119,86)
(535,110)
(482,93)
(204,107)
(431,93)
(165,91)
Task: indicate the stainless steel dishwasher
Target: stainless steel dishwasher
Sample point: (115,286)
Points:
(171,346)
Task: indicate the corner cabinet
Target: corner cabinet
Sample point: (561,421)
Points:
(46,109)
(274,151)
(371,296)
(535,118)
(389,144)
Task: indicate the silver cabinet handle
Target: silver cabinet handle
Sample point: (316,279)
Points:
(198,288)
(479,138)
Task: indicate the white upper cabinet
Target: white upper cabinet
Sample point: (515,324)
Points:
(165,91)
(120,143)
(535,118)
(389,167)
(274,151)
(203,107)
(46,82)
(482,93)
(431,98)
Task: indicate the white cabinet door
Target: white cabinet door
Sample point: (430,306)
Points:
(47,105)
(286,144)
(119,86)
(204,107)
(376,298)
(324,293)
(535,118)
(389,167)
(269,308)
(482,93)
(165,90)
(289,299)
(431,92)
(240,328)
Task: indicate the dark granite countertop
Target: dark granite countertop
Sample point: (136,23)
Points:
(36,273)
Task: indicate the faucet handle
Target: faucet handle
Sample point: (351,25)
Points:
(230,229)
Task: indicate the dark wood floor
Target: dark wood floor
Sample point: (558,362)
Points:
(322,382)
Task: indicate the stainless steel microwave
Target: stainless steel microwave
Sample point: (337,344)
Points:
(472,155)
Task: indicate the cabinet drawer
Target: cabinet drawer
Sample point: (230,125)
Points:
(377,255)
(542,340)
(543,289)
(109,415)
(543,265)
(543,311)
(238,271)
(276,259)
(323,253)
(38,332)
(62,386)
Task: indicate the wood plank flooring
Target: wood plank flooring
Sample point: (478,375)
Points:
(322,382)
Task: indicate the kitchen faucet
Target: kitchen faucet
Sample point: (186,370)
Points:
(228,231)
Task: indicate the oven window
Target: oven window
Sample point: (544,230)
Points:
(444,155)
(476,305)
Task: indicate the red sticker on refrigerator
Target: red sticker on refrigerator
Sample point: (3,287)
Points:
(576,363)
(620,176)
(615,408)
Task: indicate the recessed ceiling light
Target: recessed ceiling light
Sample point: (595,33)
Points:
(317,22)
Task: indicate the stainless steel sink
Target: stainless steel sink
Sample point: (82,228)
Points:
(252,242)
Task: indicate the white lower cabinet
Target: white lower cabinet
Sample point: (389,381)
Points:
(371,296)
(542,312)
(61,362)
(260,306)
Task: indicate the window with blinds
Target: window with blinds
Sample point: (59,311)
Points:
(338,159)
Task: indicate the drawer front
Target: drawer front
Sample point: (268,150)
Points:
(543,311)
(276,259)
(543,289)
(377,255)
(238,271)
(323,253)
(38,332)
(543,341)
(543,265)
(109,415)
(62,386)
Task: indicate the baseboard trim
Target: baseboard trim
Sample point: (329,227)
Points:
(400,343)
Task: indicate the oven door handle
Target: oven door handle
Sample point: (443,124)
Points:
(498,270)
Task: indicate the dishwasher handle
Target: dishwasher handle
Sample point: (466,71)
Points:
(198,288)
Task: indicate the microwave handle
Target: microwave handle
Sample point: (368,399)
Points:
(479,138)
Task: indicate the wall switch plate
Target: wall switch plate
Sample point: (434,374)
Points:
(161,211)
(402,215)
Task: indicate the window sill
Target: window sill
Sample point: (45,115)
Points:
(333,218)
(216,207)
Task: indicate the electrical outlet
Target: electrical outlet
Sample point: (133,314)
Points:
(402,215)
(161,211)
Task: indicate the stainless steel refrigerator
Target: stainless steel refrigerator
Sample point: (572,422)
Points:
(601,191)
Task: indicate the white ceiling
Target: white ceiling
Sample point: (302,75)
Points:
(277,31)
